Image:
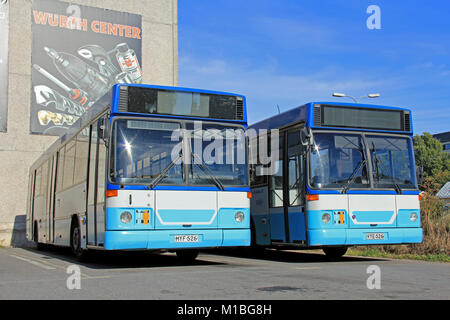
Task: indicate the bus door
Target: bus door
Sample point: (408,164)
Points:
(259,203)
(91,216)
(51,202)
(294,204)
(95,213)
(41,201)
(276,194)
(286,185)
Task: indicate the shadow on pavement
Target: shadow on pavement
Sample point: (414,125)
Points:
(146,259)
(118,259)
(288,255)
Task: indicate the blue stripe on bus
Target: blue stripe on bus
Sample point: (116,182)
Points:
(192,188)
(333,237)
(165,239)
(404,192)
(178,117)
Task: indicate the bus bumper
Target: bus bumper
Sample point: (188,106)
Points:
(331,237)
(165,239)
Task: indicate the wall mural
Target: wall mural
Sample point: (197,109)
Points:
(78,54)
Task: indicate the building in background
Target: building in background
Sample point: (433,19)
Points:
(444,138)
(444,195)
(56,59)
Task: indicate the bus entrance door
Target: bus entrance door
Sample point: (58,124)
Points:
(294,185)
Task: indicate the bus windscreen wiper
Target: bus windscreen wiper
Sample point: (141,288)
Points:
(358,167)
(162,175)
(207,171)
(377,172)
(353,176)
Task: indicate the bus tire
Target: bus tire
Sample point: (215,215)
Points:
(75,241)
(255,249)
(187,256)
(335,252)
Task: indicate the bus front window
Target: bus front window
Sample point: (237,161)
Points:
(153,153)
(336,159)
(218,155)
(142,149)
(392,162)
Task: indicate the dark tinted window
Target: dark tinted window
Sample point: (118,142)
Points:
(192,104)
(338,116)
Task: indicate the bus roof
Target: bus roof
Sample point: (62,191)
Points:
(304,114)
(105,103)
(185,89)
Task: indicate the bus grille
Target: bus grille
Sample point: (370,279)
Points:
(123,99)
(317,116)
(407,122)
(239,109)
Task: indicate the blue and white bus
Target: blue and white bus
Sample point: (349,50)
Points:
(146,168)
(344,175)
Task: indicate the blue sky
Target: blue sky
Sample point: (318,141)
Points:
(289,52)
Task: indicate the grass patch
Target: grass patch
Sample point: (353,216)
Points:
(374,252)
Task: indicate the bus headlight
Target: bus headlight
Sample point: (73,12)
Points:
(326,218)
(125,217)
(413,217)
(239,217)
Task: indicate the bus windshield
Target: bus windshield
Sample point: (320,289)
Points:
(218,153)
(152,152)
(392,161)
(335,159)
(340,161)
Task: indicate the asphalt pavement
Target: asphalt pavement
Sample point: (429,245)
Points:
(218,274)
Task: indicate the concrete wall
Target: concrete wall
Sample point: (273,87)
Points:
(18,148)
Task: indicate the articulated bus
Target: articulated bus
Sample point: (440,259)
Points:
(344,175)
(146,168)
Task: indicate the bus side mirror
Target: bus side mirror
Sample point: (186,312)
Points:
(102,130)
(306,137)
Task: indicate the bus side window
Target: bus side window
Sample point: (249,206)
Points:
(276,180)
(257,177)
(92,165)
(44,183)
(69,162)
(81,158)
(295,169)
(38,183)
(101,161)
(60,170)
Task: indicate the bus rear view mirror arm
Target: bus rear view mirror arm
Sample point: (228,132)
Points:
(306,137)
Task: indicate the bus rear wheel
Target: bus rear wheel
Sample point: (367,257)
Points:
(335,252)
(187,256)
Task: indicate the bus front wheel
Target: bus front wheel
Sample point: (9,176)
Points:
(187,256)
(335,252)
(75,241)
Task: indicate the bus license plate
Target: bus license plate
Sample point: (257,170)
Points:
(375,236)
(186,238)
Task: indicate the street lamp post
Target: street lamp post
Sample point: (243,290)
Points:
(343,95)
